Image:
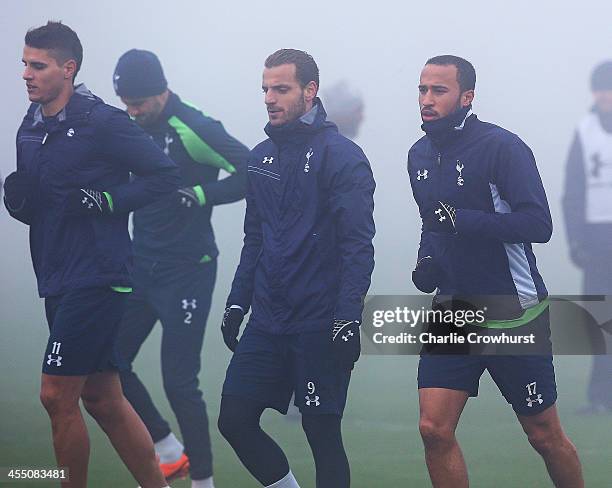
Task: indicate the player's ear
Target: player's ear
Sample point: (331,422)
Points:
(467,97)
(310,91)
(69,69)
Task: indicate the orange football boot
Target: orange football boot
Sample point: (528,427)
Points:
(177,469)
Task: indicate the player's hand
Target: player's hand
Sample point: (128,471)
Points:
(85,201)
(427,274)
(18,188)
(346,342)
(440,218)
(191,197)
(232,318)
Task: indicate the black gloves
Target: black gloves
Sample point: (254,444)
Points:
(427,275)
(18,189)
(191,197)
(232,318)
(346,342)
(88,202)
(440,218)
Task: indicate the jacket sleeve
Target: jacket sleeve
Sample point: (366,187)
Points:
(574,196)
(207,142)
(244,279)
(127,145)
(521,208)
(25,207)
(352,204)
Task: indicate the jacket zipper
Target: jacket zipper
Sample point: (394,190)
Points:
(438,176)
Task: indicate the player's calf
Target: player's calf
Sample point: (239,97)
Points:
(547,437)
(325,439)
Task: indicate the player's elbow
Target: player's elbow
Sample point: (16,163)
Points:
(542,232)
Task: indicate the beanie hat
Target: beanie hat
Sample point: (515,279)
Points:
(138,75)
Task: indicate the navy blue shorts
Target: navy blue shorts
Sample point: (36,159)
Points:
(527,382)
(83,326)
(269,368)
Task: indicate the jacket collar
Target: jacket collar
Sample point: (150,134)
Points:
(300,130)
(74,107)
(444,131)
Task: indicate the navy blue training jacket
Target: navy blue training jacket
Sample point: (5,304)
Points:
(489,174)
(87,145)
(308,255)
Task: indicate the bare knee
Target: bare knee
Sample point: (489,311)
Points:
(436,435)
(100,408)
(56,403)
(545,439)
(545,434)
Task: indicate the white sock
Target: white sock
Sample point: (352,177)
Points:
(287,482)
(205,483)
(169,449)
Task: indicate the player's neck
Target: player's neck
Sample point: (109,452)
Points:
(54,106)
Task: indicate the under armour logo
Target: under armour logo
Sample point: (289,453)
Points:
(348,335)
(70,132)
(314,400)
(87,203)
(51,360)
(189,303)
(267,160)
(422,175)
(167,141)
(308,156)
(186,202)
(531,401)
(441,217)
(459,169)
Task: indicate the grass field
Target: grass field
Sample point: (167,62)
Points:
(380,425)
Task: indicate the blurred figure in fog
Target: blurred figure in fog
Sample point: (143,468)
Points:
(588,216)
(344,108)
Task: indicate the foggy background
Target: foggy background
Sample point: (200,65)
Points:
(533,62)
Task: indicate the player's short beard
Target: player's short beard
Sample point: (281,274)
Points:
(458,106)
(151,117)
(297,109)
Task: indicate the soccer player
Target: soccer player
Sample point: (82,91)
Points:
(175,259)
(304,270)
(482,204)
(72,187)
(588,217)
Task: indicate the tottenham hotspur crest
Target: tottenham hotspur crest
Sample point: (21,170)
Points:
(167,141)
(308,156)
(459,169)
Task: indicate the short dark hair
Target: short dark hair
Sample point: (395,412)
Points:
(62,42)
(306,70)
(466,74)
